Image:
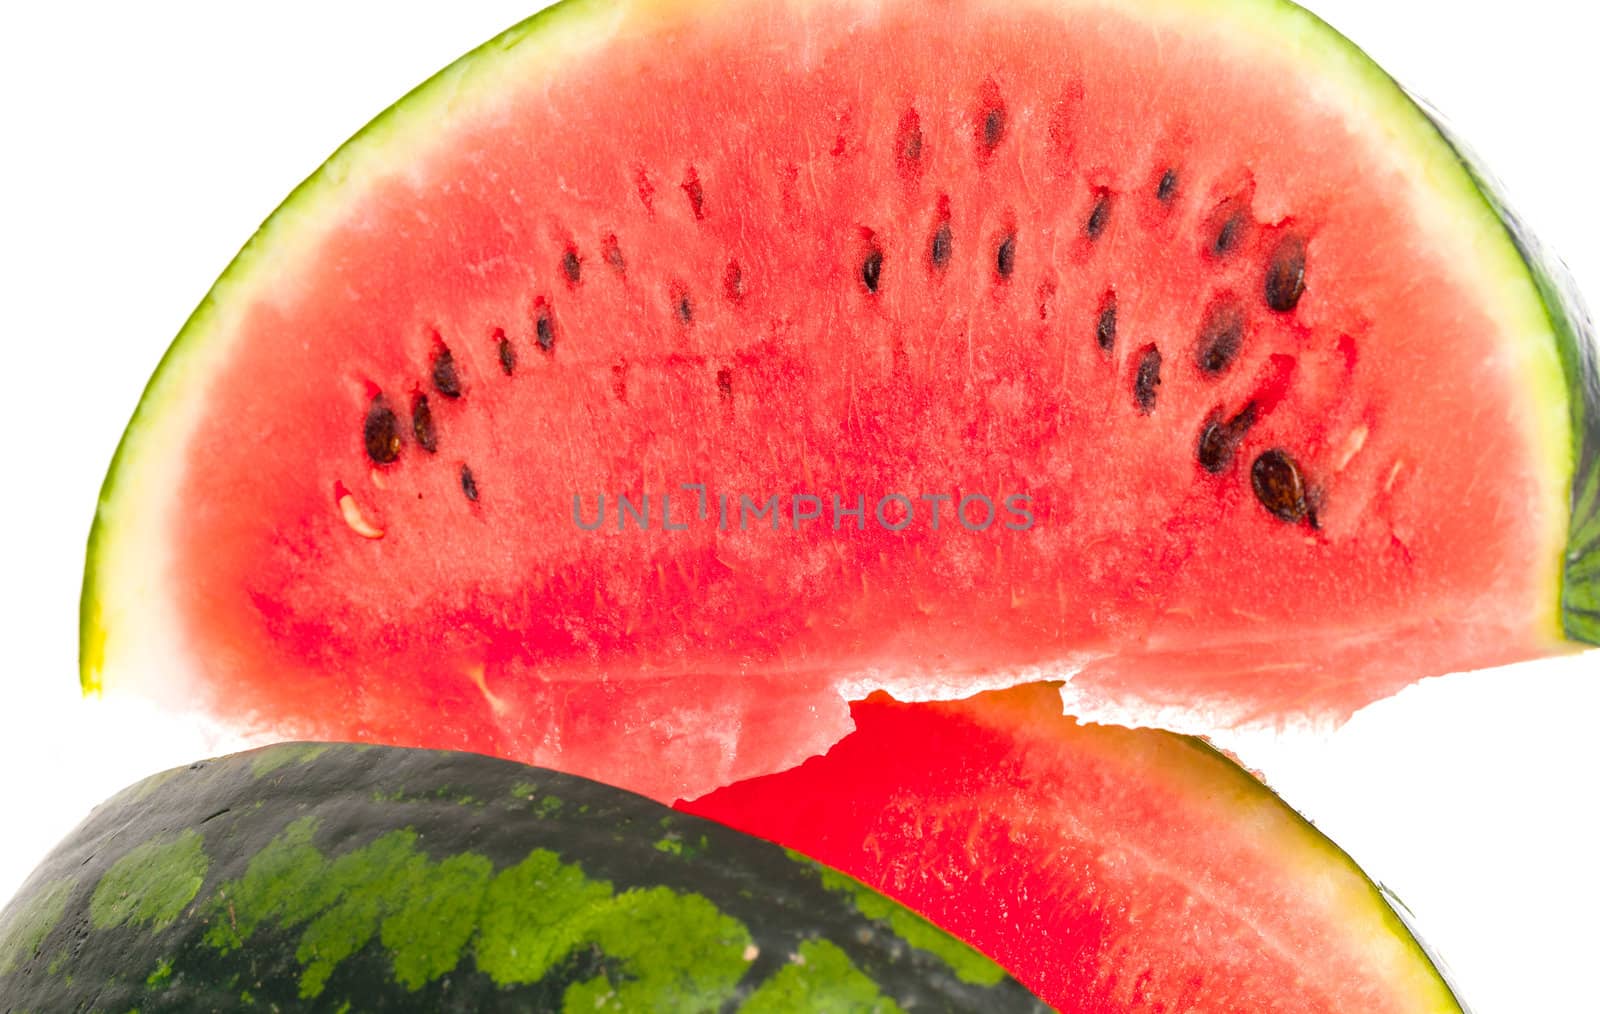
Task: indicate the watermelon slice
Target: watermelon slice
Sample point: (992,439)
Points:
(1164,876)
(662,375)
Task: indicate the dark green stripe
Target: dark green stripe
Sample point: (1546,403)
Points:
(312,876)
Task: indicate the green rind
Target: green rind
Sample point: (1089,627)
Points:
(24,924)
(1574,329)
(394,879)
(1402,914)
(969,965)
(1383,902)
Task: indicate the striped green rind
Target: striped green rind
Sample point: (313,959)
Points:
(348,878)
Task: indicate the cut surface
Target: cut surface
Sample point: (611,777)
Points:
(1164,877)
(1233,397)
(335,877)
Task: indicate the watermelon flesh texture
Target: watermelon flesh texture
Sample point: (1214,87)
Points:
(1163,876)
(1285,405)
(327,877)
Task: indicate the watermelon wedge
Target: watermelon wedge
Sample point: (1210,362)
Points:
(1164,877)
(660,376)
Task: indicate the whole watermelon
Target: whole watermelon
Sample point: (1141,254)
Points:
(343,877)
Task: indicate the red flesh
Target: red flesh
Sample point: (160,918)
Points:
(1112,871)
(673,662)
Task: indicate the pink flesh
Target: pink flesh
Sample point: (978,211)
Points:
(670,662)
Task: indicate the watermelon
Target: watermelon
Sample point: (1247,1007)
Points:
(1164,876)
(661,376)
(338,877)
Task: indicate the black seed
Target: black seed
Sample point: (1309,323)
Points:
(1286,274)
(994,127)
(1146,379)
(872,270)
(1219,439)
(445,379)
(508,354)
(613,254)
(696,193)
(1005,258)
(908,141)
(1216,447)
(1099,217)
(942,242)
(1221,337)
(381,431)
(1278,485)
(469,485)
(1228,235)
(544,331)
(1105,329)
(422,424)
(571,265)
(725,383)
(684,309)
(1167,189)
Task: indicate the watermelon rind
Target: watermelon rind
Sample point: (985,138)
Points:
(1574,329)
(1569,320)
(1102,837)
(1438,991)
(129,627)
(340,877)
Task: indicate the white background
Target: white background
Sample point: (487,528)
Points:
(140,144)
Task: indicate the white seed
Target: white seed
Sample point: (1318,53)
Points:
(1352,447)
(476,675)
(356,520)
(1394,473)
